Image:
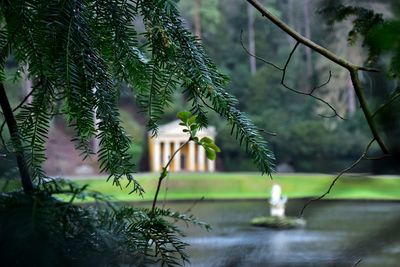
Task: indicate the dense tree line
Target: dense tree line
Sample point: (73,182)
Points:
(307,135)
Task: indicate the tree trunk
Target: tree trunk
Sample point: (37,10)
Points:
(197,18)
(351,98)
(12,128)
(290,19)
(307,34)
(252,44)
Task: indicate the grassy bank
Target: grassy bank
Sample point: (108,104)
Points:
(251,185)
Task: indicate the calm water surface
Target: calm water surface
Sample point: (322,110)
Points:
(338,233)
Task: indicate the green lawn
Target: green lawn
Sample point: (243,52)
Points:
(251,185)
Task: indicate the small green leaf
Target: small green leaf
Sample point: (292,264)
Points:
(194,127)
(214,147)
(193,132)
(184,116)
(206,140)
(211,155)
(192,119)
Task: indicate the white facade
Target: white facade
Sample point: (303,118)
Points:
(190,158)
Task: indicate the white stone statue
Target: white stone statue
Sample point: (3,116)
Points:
(277,202)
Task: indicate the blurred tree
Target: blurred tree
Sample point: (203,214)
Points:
(378,33)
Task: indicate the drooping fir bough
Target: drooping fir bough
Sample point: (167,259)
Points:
(78,54)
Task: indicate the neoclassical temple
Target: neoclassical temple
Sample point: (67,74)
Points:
(190,158)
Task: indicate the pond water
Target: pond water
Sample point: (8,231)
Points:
(338,233)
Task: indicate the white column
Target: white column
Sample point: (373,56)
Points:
(201,158)
(211,165)
(191,164)
(156,155)
(177,158)
(96,140)
(167,152)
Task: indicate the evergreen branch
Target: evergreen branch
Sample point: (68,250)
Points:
(23,100)
(202,80)
(34,121)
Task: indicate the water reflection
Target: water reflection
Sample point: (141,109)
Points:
(337,234)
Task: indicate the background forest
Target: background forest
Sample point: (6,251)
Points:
(307,136)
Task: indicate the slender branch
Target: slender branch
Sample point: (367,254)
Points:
(355,163)
(357,262)
(288,60)
(303,40)
(352,68)
(188,210)
(15,138)
(256,57)
(23,100)
(2,137)
(393,98)
(323,84)
(164,174)
(292,89)
(336,114)
(364,106)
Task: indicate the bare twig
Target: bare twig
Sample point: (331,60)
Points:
(378,158)
(335,114)
(355,163)
(323,84)
(24,100)
(393,98)
(193,205)
(352,68)
(288,60)
(357,262)
(257,57)
(188,210)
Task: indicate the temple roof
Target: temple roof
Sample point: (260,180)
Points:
(174,129)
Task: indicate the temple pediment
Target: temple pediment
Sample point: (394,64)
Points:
(174,129)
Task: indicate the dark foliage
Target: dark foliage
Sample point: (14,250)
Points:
(42,230)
